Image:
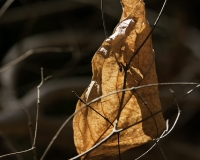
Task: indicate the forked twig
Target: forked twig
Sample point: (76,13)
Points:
(38,105)
(111,93)
(36,123)
(114,131)
(177,117)
(166,131)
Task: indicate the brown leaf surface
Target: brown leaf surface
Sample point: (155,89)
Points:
(108,76)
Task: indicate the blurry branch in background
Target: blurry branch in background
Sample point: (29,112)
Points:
(49,7)
(5,7)
(30,52)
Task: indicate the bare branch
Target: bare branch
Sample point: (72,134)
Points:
(14,153)
(115,130)
(38,105)
(103,19)
(30,131)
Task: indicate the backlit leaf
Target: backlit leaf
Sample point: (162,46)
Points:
(108,76)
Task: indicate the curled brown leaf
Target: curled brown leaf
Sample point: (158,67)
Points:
(109,74)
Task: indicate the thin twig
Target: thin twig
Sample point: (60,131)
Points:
(120,108)
(103,19)
(141,45)
(177,117)
(29,123)
(5,6)
(164,134)
(156,142)
(38,105)
(92,108)
(167,127)
(147,106)
(30,131)
(161,150)
(118,142)
(56,135)
(58,132)
(14,153)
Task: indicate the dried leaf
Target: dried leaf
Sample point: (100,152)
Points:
(108,76)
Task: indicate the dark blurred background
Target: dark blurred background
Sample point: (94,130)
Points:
(62,36)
